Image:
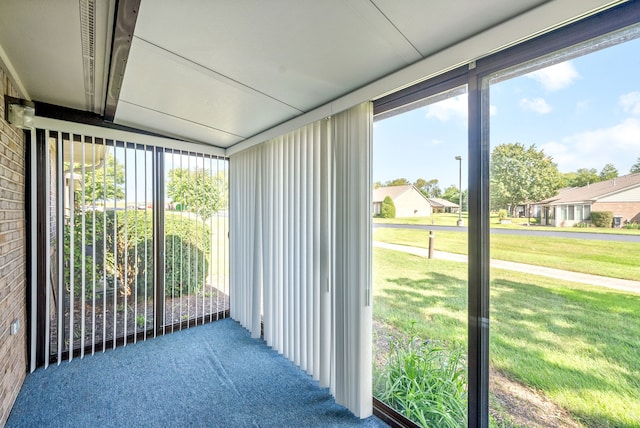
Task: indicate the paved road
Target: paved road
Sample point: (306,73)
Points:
(601,281)
(499,231)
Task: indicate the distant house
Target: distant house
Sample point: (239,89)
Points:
(439,205)
(408,200)
(573,205)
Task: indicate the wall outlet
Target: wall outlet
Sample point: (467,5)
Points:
(15,326)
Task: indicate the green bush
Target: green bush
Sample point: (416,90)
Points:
(425,382)
(631,225)
(502,214)
(387,208)
(602,218)
(187,249)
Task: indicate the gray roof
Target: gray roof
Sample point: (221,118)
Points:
(593,192)
(442,203)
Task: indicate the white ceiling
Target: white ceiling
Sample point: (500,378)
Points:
(219,72)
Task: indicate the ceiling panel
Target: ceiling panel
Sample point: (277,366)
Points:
(163,82)
(149,120)
(437,24)
(302,53)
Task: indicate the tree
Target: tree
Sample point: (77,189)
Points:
(96,187)
(377,185)
(635,169)
(387,208)
(608,172)
(428,188)
(582,177)
(521,176)
(198,191)
(397,182)
(452,194)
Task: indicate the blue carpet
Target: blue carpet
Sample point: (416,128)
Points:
(213,375)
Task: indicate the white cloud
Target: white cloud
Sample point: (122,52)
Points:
(538,105)
(595,148)
(455,107)
(630,102)
(436,142)
(557,76)
(449,108)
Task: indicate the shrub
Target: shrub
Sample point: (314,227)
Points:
(425,382)
(187,249)
(582,224)
(387,208)
(631,225)
(502,214)
(602,218)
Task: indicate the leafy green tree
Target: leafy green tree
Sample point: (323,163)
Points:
(387,208)
(521,175)
(197,190)
(452,194)
(397,182)
(636,167)
(581,177)
(428,188)
(608,172)
(377,185)
(104,182)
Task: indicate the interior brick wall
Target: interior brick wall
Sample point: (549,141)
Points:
(13,348)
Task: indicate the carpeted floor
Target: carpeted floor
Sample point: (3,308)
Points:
(213,375)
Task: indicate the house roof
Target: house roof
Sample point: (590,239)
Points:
(593,192)
(392,191)
(442,203)
(230,74)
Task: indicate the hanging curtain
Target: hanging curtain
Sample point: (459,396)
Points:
(300,250)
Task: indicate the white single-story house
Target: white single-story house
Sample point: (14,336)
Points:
(439,205)
(408,200)
(573,205)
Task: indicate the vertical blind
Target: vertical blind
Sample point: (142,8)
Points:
(300,250)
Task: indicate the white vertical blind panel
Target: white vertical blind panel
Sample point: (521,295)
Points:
(297,205)
(352,143)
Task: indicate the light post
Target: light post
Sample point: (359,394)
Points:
(460,223)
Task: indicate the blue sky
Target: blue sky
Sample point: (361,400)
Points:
(585,113)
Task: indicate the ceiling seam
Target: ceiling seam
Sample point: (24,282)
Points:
(181,118)
(396,28)
(252,89)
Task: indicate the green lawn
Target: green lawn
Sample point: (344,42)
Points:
(578,345)
(606,258)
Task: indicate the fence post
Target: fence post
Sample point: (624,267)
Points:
(431,238)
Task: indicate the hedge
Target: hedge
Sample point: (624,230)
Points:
(187,250)
(602,218)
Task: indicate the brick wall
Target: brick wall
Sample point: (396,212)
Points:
(13,352)
(630,211)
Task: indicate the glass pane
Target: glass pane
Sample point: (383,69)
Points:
(420,302)
(195,242)
(103,279)
(564,139)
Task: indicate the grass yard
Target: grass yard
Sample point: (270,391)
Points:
(606,258)
(578,345)
(445,219)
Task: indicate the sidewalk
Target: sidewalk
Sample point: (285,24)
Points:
(601,281)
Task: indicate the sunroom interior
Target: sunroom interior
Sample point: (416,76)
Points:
(278,100)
